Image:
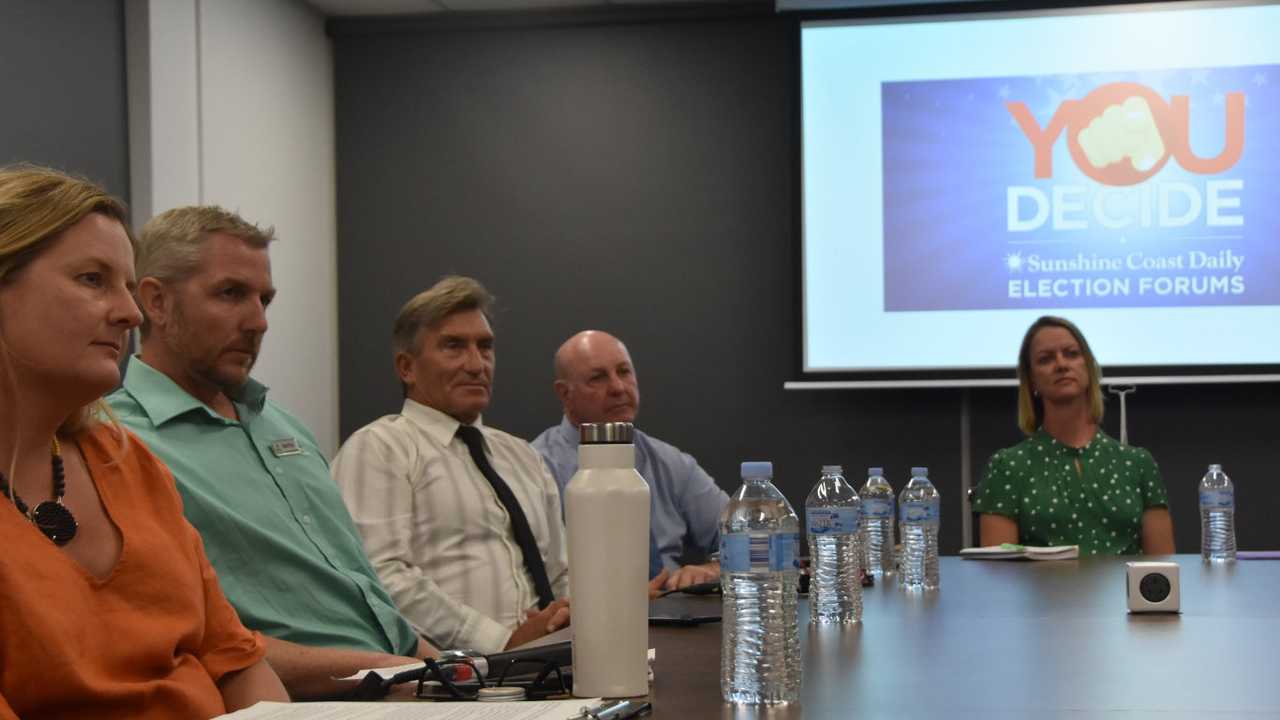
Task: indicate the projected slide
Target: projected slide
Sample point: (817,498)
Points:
(1083,191)
(963,177)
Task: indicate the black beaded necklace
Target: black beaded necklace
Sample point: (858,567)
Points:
(51,516)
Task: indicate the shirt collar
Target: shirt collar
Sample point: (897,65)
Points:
(163,399)
(441,427)
(1043,437)
(569,432)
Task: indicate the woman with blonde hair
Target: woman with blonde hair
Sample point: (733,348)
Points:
(1069,483)
(108,607)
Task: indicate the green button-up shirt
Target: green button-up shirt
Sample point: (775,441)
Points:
(274,525)
(1092,496)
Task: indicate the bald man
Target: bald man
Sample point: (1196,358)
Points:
(596,382)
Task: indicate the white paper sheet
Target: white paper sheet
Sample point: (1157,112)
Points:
(537,710)
(385,672)
(560,635)
(388,672)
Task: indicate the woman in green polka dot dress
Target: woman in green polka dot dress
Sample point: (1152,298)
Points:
(1069,483)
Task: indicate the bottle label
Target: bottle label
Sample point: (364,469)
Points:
(878,509)
(918,511)
(1220,499)
(833,521)
(735,553)
(758,552)
(783,553)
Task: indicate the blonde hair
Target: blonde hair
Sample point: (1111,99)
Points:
(1030,406)
(37,204)
(170,243)
(453,294)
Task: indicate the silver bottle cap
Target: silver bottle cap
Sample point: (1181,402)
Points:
(609,433)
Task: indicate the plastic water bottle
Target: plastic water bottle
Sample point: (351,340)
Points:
(877,523)
(760,643)
(833,514)
(1217,516)
(918,511)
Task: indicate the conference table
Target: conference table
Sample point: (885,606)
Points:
(1015,639)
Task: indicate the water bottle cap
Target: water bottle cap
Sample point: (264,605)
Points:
(757,469)
(875,471)
(827,469)
(1215,467)
(919,472)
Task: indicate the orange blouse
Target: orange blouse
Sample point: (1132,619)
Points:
(149,641)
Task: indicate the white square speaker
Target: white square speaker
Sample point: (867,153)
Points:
(1152,587)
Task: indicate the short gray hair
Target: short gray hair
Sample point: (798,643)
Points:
(169,245)
(427,309)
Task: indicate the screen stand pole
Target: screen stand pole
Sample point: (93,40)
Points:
(966,482)
(1123,391)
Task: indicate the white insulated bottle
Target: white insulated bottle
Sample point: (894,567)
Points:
(607,513)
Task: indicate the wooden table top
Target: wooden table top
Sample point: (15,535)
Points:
(1005,639)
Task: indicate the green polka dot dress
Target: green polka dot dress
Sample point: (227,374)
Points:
(1092,496)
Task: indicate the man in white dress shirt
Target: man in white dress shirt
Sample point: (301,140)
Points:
(461,521)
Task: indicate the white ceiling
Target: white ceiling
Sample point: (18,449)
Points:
(421,7)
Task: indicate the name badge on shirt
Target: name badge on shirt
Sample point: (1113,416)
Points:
(285,447)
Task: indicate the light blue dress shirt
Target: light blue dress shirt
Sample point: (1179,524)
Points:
(684,501)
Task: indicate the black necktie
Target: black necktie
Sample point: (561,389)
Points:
(519,523)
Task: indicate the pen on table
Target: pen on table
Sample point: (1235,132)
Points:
(613,710)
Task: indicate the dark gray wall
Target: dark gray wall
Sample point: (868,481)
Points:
(639,175)
(62,70)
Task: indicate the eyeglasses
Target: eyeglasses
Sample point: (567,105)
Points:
(440,680)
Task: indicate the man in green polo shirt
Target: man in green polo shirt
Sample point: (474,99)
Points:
(252,479)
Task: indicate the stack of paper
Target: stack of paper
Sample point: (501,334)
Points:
(1009,551)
